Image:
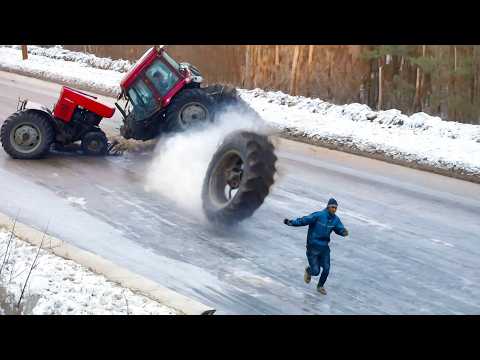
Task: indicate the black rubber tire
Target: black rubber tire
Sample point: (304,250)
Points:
(185,97)
(226,97)
(257,154)
(101,140)
(28,117)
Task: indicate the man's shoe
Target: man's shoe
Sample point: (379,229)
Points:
(321,290)
(307,277)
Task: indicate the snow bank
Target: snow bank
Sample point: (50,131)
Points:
(76,74)
(59,53)
(58,286)
(418,138)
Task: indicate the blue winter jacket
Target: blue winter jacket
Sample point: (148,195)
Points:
(320,226)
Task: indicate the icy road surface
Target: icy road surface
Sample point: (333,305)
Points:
(414,246)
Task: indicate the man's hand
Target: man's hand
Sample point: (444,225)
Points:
(345,232)
(286,222)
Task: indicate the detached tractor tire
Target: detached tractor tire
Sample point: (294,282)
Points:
(95,143)
(189,108)
(238,178)
(27,135)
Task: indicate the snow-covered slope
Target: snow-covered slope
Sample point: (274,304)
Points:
(419,138)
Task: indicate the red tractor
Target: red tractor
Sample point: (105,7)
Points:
(33,129)
(160,95)
(165,96)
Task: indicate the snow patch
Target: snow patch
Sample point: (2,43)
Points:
(81,202)
(59,287)
(441,242)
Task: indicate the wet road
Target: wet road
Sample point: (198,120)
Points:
(414,246)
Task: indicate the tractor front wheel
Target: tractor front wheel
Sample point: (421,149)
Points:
(95,143)
(189,108)
(27,135)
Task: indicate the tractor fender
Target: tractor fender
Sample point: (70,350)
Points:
(27,105)
(30,105)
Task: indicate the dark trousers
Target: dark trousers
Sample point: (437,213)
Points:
(319,258)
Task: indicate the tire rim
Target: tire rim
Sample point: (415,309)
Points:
(94,145)
(26,138)
(192,113)
(226,179)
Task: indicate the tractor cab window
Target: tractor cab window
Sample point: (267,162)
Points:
(143,101)
(161,76)
(170,60)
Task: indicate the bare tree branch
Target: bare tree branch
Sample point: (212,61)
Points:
(33,265)
(9,242)
(126,300)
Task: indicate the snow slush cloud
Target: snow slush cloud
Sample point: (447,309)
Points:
(181,160)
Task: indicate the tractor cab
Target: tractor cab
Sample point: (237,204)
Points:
(148,89)
(154,80)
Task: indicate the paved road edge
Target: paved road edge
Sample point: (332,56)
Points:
(331,144)
(139,284)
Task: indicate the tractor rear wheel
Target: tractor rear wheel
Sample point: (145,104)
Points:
(27,135)
(238,178)
(189,108)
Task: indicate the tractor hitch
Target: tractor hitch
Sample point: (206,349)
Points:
(21,104)
(111,149)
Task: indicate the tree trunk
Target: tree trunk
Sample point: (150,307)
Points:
(455,58)
(422,82)
(380,87)
(455,81)
(24,52)
(294,69)
(472,80)
(372,93)
(310,55)
(417,90)
(277,55)
(247,66)
(416,100)
(254,65)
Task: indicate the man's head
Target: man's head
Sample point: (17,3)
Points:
(332,206)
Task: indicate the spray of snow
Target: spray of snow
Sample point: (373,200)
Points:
(181,160)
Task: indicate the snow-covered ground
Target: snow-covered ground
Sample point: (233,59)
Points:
(419,138)
(75,73)
(59,286)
